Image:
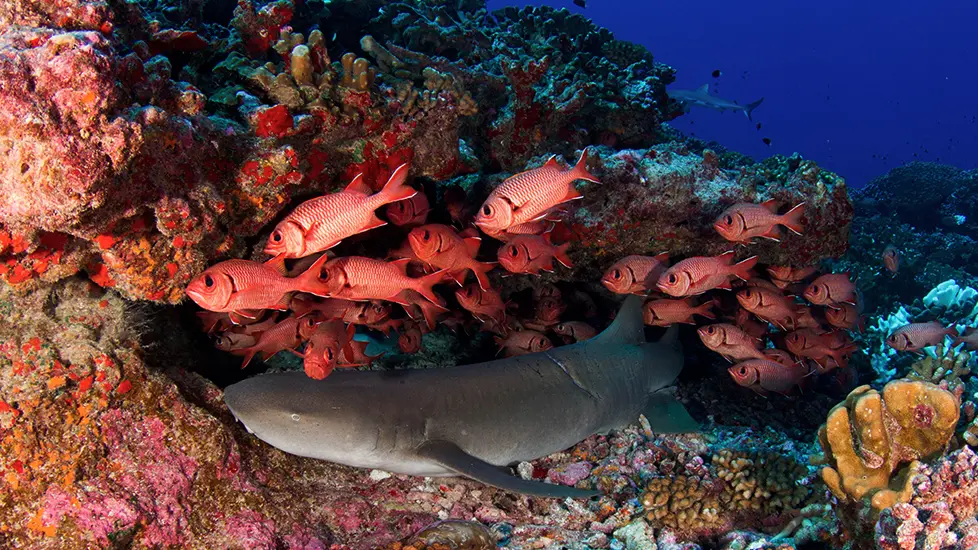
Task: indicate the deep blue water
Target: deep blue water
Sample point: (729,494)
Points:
(860,87)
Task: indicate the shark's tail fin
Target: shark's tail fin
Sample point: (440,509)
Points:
(749,109)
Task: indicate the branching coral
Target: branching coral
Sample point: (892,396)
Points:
(946,366)
(738,483)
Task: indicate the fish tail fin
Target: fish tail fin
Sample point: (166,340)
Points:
(794,219)
(480,269)
(395,189)
(579,171)
(705,310)
(749,109)
(742,270)
(308,280)
(424,286)
(560,254)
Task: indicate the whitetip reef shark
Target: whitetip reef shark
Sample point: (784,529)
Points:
(702,98)
(473,420)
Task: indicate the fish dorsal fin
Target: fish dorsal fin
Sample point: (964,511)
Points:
(771,205)
(278,264)
(627,328)
(402,265)
(551,162)
(359,186)
(704,89)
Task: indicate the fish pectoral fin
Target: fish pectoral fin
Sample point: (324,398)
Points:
(449,455)
(667,415)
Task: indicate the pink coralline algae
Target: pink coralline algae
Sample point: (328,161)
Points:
(941,513)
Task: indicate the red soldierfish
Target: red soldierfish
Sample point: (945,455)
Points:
(321,223)
(763,375)
(730,341)
(891,259)
(416,305)
(528,196)
(410,338)
(770,306)
(409,212)
(916,336)
(285,335)
(358,313)
(699,274)
(576,330)
(819,347)
(532,253)
(236,285)
(521,342)
(741,223)
(483,304)
(831,290)
(845,316)
(538,227)
(359,278)
(324,348)
(790,274)
(439,246)
(662,313)
(635,274)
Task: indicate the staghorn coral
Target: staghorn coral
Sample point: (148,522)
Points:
(738,484)
(874,443)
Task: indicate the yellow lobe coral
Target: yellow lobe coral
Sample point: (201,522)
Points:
(873,443)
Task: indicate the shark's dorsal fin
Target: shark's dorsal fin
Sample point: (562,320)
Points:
(704,89)
(627,328)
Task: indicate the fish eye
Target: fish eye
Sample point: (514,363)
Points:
(710,330)
(487,210)
(208,281)
(742,371)
(728,220)
(277,236)
(672,278)
(560,327)
(324,274)
(513,252)
(329,354)
(747,293)
(426,235)
(616,274)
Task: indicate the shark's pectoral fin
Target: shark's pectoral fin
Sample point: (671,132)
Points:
(452,457)
(667,415)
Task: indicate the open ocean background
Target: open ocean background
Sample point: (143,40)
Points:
(860,87)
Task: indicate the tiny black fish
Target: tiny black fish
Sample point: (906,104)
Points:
(767,141)
(758,125)
(581,3)
(717,73)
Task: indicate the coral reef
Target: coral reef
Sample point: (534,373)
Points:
(874,444)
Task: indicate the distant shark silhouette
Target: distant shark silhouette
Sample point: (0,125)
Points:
(702,98)
(473,420)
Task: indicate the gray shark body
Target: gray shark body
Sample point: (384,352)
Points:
(472,420)
(701,97)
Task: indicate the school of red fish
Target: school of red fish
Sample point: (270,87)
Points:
(261,309)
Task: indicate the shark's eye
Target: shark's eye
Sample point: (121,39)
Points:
(208,281)
(487,210)
(277,236)
(728,220)
(616,274)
